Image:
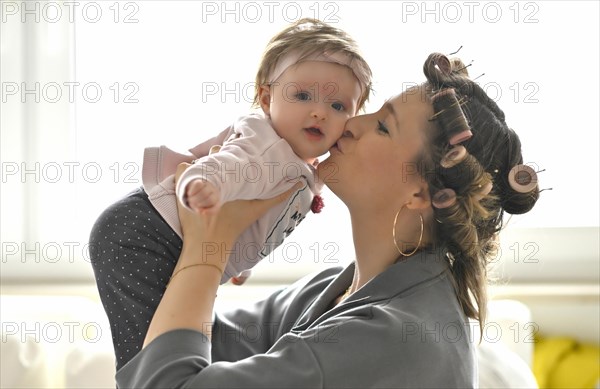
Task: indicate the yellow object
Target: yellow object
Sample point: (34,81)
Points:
(564,363)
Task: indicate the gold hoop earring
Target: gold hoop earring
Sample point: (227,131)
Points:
(394,234)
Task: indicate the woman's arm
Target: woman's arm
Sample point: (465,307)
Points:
(362,347)
(189,298)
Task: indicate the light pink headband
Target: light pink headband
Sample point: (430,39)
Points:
(339,58)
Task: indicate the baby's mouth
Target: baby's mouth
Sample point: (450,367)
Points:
(314,132)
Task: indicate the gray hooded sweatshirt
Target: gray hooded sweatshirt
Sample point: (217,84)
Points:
(403,329)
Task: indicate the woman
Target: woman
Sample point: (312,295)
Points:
(426,180)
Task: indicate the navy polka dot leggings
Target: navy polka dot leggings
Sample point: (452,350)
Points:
(133,252)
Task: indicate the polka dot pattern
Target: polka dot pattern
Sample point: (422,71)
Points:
(133,252)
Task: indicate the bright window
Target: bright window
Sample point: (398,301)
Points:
(87,85)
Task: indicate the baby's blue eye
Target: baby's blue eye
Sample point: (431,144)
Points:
(338,106)
(302,96)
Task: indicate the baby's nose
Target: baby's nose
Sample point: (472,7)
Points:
(318,113)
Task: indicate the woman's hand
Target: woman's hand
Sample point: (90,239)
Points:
(223,227)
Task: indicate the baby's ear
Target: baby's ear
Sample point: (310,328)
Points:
(264,99)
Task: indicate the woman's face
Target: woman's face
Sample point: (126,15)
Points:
(372,165)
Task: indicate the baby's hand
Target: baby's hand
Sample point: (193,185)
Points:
(203,197)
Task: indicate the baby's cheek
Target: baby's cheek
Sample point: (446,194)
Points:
(339,126)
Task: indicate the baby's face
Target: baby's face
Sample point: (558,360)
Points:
(310,104)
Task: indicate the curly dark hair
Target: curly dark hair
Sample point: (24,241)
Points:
(467,229)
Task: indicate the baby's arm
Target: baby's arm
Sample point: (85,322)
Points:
(236,172)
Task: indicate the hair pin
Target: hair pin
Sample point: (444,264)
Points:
(485,190)
(479,76)
(456,50)
(447,92)
(442,93)
(466,66)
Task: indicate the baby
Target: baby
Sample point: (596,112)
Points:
(311,80)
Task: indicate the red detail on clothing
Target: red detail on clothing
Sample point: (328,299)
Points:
(317,204)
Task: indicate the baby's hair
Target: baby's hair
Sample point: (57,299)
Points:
(471,157)
(308,37)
